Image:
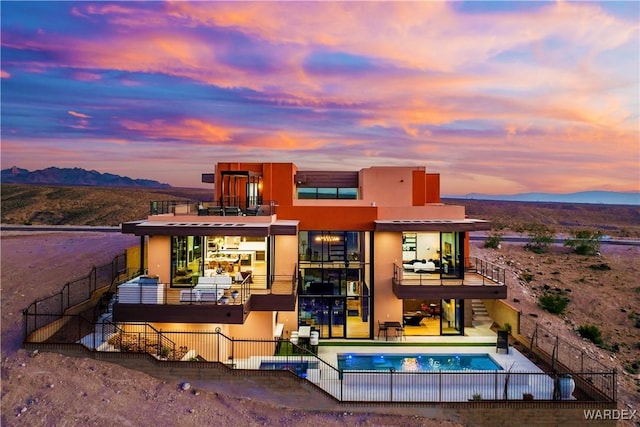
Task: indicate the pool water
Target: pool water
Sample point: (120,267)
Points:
(417,362)
(300,368)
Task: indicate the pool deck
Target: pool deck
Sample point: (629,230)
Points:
(520,374)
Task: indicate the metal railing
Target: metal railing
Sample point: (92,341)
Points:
(49,309)
(560,351)
(238,292)
(195,207)
(487,270)
(491,274)
(388,385)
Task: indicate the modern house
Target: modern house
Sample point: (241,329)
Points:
(339,251)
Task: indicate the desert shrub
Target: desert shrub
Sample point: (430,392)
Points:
(541,239)
(592,333)
(584,242)
(526,276)
(553,303)
(493,241)
(633,368)
(601,267)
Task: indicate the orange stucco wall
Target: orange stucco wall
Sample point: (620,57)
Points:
(330,217)
(422,212)
(387,186)
(159,256)
(286,248)
(433,188)
(388,249)
(379,185)
(419,188)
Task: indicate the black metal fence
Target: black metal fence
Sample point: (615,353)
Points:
(44,311)
(387,385)
(559,350)
(222,208)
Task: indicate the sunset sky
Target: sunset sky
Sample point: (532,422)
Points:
(498,97)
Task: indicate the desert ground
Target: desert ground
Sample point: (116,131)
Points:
(49,389)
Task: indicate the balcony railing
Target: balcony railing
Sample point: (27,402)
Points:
(230,302)
(481,280)
(477,272)
(194,207)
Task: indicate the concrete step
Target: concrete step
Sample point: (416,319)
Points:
(480,315)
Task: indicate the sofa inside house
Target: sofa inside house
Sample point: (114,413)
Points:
(419,266)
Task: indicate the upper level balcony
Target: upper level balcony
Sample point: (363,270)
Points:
(481,280)
(194,207)
(225,301)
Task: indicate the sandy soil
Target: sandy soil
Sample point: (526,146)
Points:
(49,389)
(608,299)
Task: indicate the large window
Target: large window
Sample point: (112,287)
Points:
(195,256)
(442,253)
(186,259)
(334,292)
(330,246)
(327,193)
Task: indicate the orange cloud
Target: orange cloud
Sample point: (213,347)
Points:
(193,130)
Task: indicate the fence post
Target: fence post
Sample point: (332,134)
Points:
(534,336)
(218,342)
(391,384)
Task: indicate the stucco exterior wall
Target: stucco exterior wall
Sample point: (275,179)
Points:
(286,248)
(159,256)
(388,249)
(387,186)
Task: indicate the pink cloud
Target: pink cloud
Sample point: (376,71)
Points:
(192,130)
(79,115)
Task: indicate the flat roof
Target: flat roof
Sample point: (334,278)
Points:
(445,225)
(208,228)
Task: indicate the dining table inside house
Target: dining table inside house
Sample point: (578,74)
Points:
(395,325)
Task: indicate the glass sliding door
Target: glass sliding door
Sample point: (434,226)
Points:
(186,260)
(452,316)
(451,255)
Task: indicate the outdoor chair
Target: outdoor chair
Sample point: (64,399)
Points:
(400,332)
(382,328)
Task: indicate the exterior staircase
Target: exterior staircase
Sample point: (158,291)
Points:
(104,329)
(480,316)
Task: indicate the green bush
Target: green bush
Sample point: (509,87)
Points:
(553,303)
(493,241)
(592,333)
(541,239)
(584,242)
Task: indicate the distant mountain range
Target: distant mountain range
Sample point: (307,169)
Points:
(74,176)
(597,197)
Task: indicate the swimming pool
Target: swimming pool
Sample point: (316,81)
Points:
(300,368)
(417,362)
